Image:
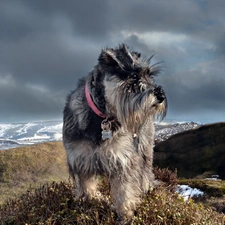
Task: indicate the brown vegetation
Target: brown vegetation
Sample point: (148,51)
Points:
(26,174)
(32,165)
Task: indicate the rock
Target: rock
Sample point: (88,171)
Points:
(194,152)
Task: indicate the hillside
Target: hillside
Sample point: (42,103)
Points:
(26,175)
(31,166)
(194,152)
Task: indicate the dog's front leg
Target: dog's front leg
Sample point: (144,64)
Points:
(145,150)
(86,187)
(125,193)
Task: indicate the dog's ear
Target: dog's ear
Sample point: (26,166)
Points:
(119,57)
(108,57)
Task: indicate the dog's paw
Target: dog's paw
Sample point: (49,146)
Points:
(160,94)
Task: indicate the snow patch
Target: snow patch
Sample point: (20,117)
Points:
(58,136)
(187,192)
(5,127)
(24,129)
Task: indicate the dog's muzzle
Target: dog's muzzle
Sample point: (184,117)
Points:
(160,94)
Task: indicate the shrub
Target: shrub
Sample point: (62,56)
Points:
(54,204)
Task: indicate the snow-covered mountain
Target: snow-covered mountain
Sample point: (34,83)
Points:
(164,130)
(14,135)
(20,134)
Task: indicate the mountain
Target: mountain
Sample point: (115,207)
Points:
(21,134)
(194,152)
(164,130)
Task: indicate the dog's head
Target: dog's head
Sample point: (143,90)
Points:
(130,89)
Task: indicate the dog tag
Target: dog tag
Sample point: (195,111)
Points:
(106,134)
(106,129)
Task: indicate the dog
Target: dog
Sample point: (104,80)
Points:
(108,127)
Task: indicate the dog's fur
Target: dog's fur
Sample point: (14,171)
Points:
(122,87)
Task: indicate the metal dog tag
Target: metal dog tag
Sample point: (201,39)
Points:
(106,134)
(106,129)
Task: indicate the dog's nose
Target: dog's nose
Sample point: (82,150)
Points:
(160,94)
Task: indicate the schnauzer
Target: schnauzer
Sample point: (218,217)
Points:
(108,127)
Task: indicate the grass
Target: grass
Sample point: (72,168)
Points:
(28,195)
(32,165)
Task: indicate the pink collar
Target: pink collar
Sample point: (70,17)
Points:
(92,104)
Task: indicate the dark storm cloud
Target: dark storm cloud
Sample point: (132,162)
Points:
(30,102)
(46,46)
(44,60)
(197,93)
(87,18)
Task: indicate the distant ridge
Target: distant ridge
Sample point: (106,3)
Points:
(194,152)
(165,130)
(8,141)
(13,135)
(22,134)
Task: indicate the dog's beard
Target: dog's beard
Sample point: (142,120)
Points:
(132,108)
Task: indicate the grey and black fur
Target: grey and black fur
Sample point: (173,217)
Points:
(122,87)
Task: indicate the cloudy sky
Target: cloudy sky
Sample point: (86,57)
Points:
(47,45)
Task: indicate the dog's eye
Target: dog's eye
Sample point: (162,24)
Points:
(135,77)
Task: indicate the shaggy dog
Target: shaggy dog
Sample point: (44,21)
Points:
(108,127)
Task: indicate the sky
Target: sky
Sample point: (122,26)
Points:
(47,45)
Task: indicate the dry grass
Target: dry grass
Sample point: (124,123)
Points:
(29,196)
(54,204)
(32,165)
